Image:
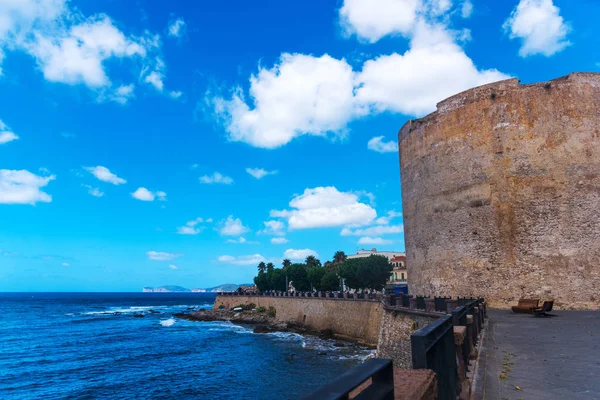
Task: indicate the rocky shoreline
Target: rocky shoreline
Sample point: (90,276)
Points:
(264,323)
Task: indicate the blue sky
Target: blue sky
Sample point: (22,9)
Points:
(151,143)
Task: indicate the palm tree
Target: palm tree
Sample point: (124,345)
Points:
(339,257)
(312,261)
(262,267)
(270,267)
(286,263)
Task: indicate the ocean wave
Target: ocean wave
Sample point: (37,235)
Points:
(168,322)
(145,309)
(227,326)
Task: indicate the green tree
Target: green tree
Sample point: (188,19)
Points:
(339,257)
(330,281)
(270,268)
(315,275)
(262,267)
(374,272)
(348,271)
(277,280)
(297,274)
(286,263)
(262,282)
(312,261)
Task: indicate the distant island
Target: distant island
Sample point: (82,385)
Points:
(227,287)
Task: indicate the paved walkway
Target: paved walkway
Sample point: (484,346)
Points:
(546,358)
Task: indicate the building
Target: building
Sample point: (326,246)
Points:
(399,274)
(500,193)
(396,258)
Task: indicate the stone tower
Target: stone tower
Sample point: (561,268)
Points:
(501,193)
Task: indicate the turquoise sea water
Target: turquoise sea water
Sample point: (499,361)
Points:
(89,345)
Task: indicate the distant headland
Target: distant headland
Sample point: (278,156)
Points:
(227,287)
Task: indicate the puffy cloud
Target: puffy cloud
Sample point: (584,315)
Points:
(371,20)
(5,134)
(259,173)
(155,78)
(540,27)
(161,255)
(326,207)
(191,227)
(273,227)
(65,264)
(238,241)
(299,254)
(300,95)
(434,68)
(177,28)
(94,191)
(252,259)
(377,144)
(74,49)
(279,240)
(373,230)
(145,195)
(216,178)
(373,240)
(173,266)
(467,9)
(390,215)
(232,227)
(23,187)
(104,174)
(175,94)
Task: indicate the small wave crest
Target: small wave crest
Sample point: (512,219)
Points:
(168,322)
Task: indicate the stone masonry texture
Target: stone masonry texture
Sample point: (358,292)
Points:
(357,319)
(501,193)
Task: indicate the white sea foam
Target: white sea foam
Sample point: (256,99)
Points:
(142,309)
(226,326)
(168,322)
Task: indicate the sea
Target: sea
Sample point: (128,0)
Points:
(90,345)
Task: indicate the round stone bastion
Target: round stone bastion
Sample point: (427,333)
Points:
(501,194)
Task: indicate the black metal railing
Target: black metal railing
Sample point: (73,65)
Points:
(321,295)
(433,348)
(379,370)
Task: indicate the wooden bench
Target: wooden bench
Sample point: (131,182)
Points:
(526,306)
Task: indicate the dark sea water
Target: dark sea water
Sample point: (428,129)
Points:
(73,345)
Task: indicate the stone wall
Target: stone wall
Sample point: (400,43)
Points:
(394,337)
(358,320)
(501,193)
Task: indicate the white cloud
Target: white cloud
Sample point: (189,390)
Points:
(373,230)
(540,27)
(371,20)
(146,195)
(191,227)
(252,259)
(259,173)
(377,144)
(386,220)
(161,255)
(23,187)
(300,95)
(279,240)
(232,227)
(467,9)
(177,28)
(373,240)
(71,48)
(238,241)
(104,174)
(173,266)
(94,191)
(122,94)
(65,264)
(216,178)
(5,134)
(155,78)
(434,68)
(326,207)
(273,227)
(299,254)
(175,94)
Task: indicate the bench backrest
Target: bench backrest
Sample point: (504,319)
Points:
(529,302)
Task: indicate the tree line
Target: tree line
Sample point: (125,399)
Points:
(358,273)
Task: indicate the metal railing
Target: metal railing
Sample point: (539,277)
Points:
(320,295)
(381,372)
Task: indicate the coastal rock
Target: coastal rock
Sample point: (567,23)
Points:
(262,329)
(339,344)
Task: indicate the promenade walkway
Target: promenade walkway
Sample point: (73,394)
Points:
(523,357)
